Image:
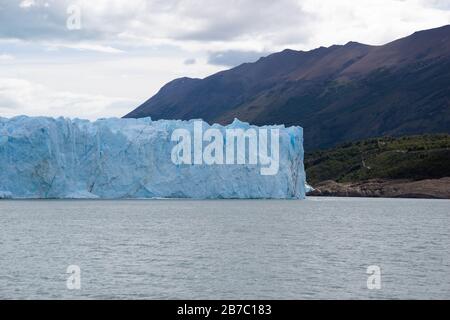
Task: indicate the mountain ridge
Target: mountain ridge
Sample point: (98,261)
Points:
(337,94)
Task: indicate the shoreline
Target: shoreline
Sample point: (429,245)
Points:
(378,188)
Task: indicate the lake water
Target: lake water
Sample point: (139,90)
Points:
(236,249)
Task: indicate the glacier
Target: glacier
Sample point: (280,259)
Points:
(61,158)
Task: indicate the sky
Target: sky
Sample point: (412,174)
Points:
(103,58)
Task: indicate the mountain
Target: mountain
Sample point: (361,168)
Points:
(337,94)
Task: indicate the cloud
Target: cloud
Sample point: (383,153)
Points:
(232,58)
(27,3)
(86,47)
(6,57)
(34,20)
(175,20)
(240,19)
(232,25)
(370,22)
(190,61)
(439,4)
(22,97)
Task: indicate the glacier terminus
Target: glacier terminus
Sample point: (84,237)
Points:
(61,158)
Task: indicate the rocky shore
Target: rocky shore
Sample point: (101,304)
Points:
(430,188)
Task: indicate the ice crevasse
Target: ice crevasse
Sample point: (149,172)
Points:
(43,157)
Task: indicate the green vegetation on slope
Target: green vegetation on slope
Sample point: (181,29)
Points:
(409,157)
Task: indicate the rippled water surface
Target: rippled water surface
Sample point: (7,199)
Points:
(236,249)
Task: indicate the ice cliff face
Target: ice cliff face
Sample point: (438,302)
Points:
(131,158)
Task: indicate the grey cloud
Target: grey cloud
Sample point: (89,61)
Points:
(438,4)
(169,19)
(232,58)
(47,20)
(42,21)
(242,19)
(190,61)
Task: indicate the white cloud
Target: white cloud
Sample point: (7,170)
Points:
(6,57)
(85,47)
(22,97)
(370,22)
(27,3)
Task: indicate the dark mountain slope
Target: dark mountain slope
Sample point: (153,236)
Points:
(338,94)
